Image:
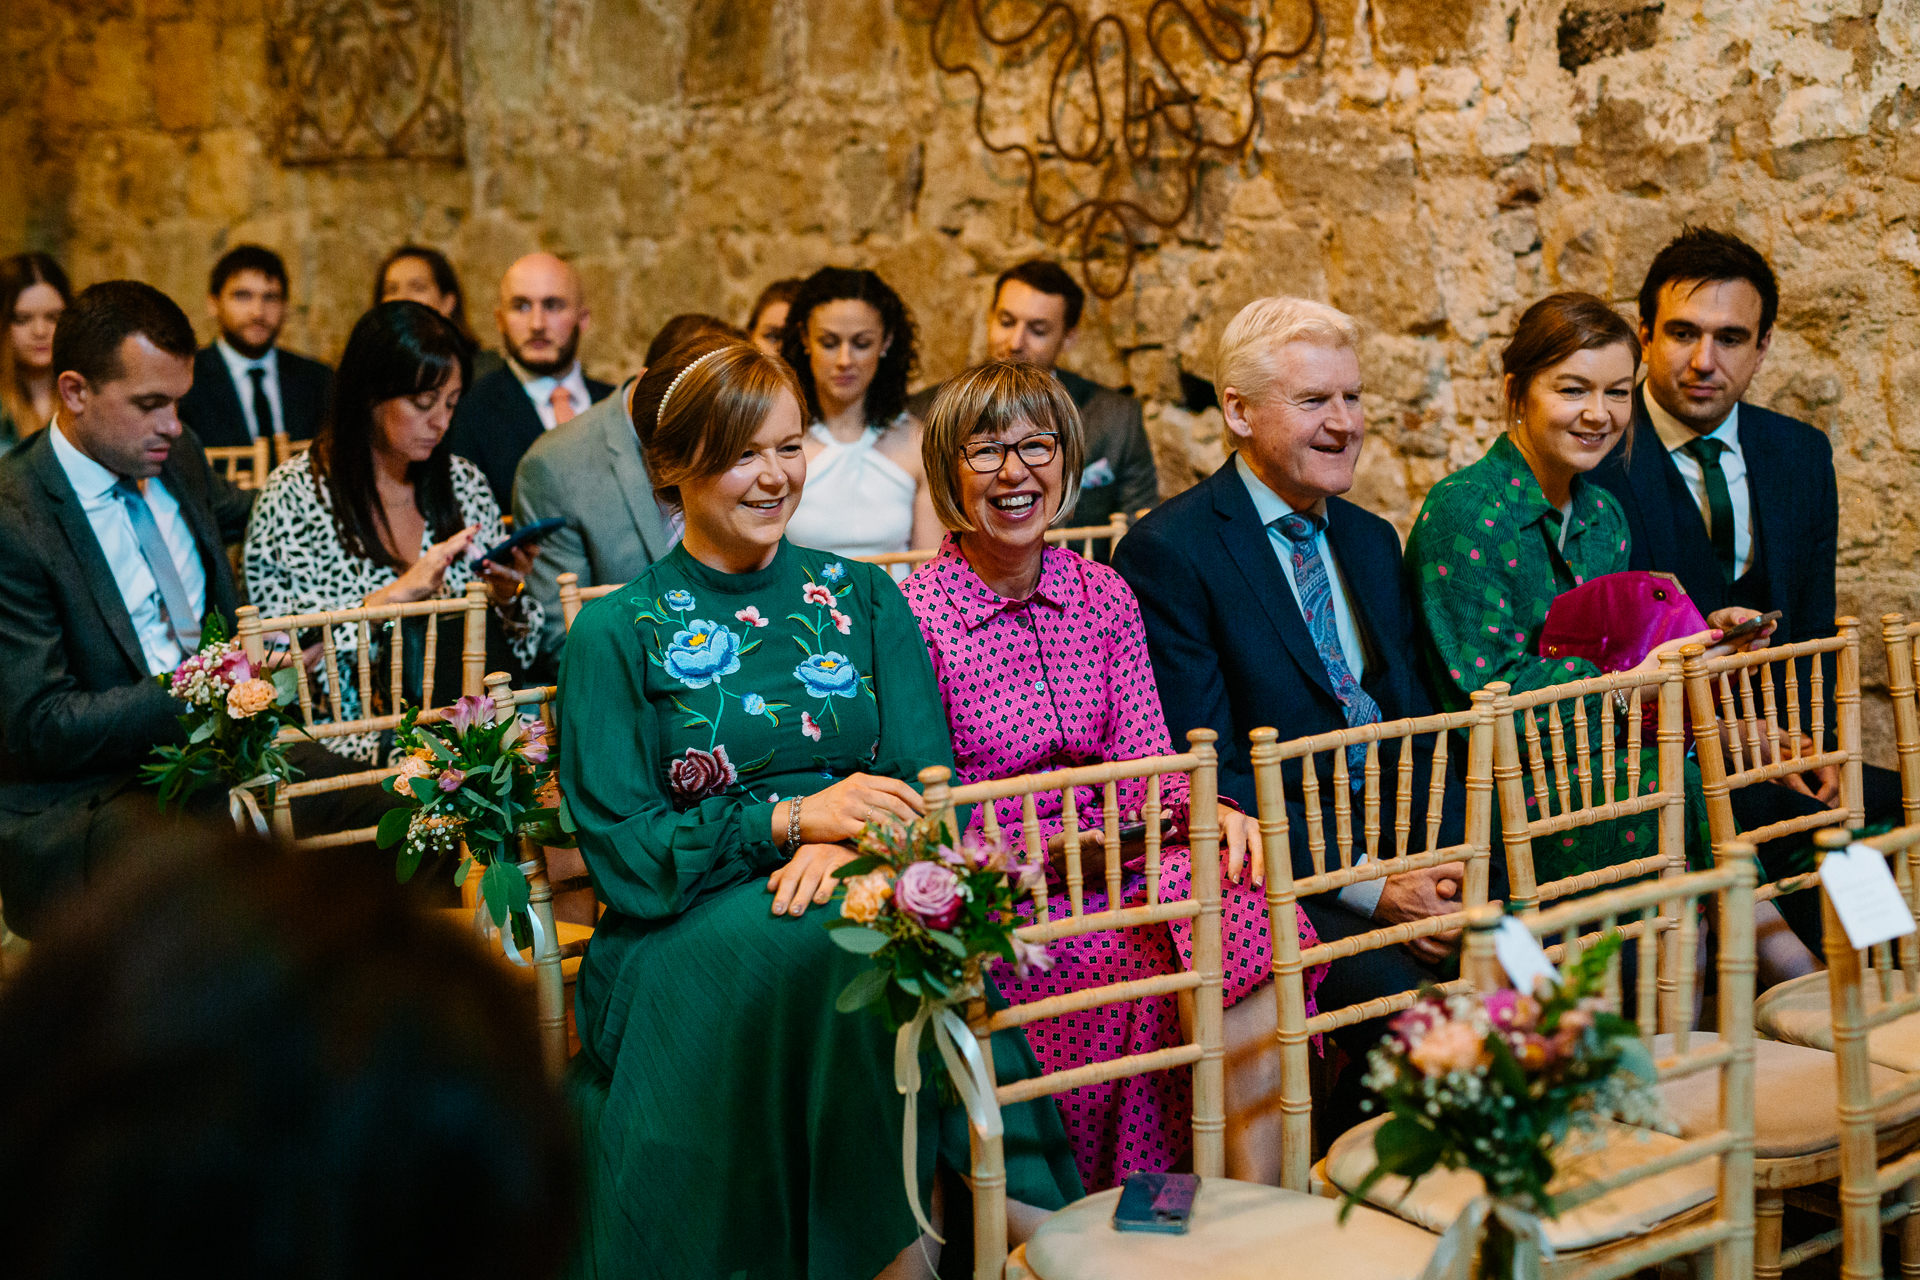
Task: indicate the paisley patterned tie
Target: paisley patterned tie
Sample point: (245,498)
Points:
(1316,607)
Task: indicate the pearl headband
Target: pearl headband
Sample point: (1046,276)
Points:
(661,414)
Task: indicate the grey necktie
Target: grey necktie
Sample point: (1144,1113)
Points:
(153,548)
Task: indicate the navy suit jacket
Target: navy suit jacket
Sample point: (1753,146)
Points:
(1231,652)
(496,423)
(1795,502)
(212,406)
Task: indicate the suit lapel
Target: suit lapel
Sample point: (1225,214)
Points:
(220,382)
(623,453)
(86,552)
(1251,551)
(1364,581)
(1770,491)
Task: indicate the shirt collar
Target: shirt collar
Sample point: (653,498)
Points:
(1270,506)
(240,363)
(89,479)
(1522,493)
(1675,434)
(1059,586)
(546,381)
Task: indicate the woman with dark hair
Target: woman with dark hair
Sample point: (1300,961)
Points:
(736,1122)
(378,511)
(767,322)
(415,273)
(850,339)
(1497,541)
(33,293)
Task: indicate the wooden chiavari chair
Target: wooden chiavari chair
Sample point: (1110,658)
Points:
(1864,999)
(244,466)
(285,447)
(1270,758)
(1235,1225)
(573,596)
(470,610)
(1903,674)
(1087,536)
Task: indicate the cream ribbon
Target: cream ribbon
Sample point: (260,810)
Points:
(1453,1258)
(241,804)
(483,926)
(961,1052)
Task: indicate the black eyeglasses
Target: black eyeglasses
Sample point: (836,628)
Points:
(989,456)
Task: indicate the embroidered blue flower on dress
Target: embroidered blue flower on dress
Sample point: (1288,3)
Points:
(834,572)
(702,654)
(828,675)
(680,600)
(753,704)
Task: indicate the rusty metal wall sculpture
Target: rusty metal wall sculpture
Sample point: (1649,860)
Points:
(1160,132)
(364,79)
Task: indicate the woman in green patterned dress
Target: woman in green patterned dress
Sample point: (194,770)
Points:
(1497,541)
(729,721)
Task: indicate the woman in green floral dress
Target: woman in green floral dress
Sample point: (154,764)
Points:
(1497,541)
(735,1122)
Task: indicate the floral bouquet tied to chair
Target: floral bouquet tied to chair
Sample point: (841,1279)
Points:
(234,715)
(484,779)
(1495,1084)
(932,912)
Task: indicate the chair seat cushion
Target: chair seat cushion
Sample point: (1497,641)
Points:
(1239,1231)
(1800,1012)
(1796,1097)
(1437,1199)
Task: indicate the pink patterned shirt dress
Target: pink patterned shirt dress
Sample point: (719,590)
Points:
(1058,680)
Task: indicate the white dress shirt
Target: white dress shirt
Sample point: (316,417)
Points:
(238,366)
(540,390)
(1675,435)
(1270,506)
(113,529)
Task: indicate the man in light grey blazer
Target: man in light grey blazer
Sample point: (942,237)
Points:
(590,472)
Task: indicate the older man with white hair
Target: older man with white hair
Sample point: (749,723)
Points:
(1272,601)
(542,315)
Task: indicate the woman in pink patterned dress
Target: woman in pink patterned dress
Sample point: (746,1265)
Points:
(1042,662)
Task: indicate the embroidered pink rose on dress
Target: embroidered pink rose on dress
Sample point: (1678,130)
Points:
(841,621)
(751,616)
(809,726)
(817,594)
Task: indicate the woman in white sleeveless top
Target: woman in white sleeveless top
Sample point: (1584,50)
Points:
(850,338)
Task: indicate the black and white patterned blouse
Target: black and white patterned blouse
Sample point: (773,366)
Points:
(296,564)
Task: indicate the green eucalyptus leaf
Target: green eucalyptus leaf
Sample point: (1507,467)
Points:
(425,790)
(948,941)
(393,826)
(859,940)
(201,732)
(407,862)
(286,685)
(462,871)
(867,986)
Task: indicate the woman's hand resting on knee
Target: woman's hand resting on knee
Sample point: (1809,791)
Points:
(842,811)
(807,877)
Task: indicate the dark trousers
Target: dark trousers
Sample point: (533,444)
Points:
(48,856)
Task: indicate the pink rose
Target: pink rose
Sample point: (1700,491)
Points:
(452,778)
(841,621)
(817,594)
(234,668)
(469,711)
(752,617)
(928,892)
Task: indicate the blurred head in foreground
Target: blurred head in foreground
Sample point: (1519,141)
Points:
(248,1063)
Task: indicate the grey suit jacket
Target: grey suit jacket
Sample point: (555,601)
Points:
(589,471)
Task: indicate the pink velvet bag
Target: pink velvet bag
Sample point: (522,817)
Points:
(1616,620)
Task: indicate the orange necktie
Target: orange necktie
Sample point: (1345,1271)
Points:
(562,401)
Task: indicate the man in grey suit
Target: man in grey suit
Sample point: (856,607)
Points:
(1034,318)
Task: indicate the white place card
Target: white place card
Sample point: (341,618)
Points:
(1521,955)
(1864,895)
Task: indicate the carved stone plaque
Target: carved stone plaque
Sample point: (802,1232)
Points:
(366,79)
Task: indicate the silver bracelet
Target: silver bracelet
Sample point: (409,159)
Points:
(793,826)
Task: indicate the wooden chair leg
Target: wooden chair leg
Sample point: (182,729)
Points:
(1910,1232)
(1768,1207)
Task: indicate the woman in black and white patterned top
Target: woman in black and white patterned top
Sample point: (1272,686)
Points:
(378,511)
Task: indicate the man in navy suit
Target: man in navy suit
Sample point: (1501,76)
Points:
(245,387)
(1738,502)
(542,318)
(1226,574)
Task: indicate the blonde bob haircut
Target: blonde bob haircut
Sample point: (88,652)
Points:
(987,400)
(714,413)
(1245,358)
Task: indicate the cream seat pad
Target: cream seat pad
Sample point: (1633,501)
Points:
(1796,1097)
(1239,1231)
(1437,1199)
(1799,1012)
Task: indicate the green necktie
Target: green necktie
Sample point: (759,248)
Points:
(1706,452)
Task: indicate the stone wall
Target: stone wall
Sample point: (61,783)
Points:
(1430,165)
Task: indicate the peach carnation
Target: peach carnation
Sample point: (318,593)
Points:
(412,766)
(249,698)
(865,896)
(1451,1046)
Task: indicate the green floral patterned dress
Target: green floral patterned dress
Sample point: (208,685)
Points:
(734,1122)
(1485,564)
